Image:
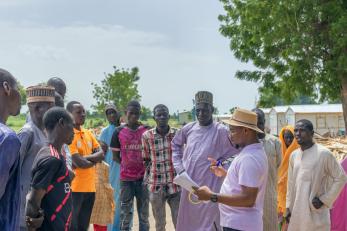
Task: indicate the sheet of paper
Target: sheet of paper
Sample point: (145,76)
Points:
(185,181)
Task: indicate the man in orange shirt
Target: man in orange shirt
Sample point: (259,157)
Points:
(86,152)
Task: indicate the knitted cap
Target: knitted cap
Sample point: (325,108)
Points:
(204,97)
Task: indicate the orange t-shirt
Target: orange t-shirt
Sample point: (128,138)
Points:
(83,143)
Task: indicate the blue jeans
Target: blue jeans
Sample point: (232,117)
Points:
(129,190)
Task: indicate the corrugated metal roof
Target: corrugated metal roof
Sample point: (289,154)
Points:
(317,108)
(280,109)
(266,110)
(222,116)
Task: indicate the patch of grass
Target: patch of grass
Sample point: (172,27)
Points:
(16,122)
(95,122)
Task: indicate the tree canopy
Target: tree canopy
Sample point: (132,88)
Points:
(118,88)
(298,47)
(23,94)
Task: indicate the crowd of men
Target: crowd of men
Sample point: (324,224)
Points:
(57,175)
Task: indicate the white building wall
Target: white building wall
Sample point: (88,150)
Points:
(290,117)
(281,122)
(267,120)
(273,122)
(310,117)
(323,122)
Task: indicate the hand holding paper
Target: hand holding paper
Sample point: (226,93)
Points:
(185,182)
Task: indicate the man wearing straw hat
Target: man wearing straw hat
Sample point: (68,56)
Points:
(39,99)
(191,148)
(241,197)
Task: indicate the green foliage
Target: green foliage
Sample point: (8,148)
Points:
(118,87)
(95,122)
(151,122)
(216,111)
(269,99)
(16,122)
(146,113)
(298,47)
(92,122)
(23,94)
(231,111)
(174,116)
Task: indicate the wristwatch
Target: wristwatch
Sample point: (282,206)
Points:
(214,198)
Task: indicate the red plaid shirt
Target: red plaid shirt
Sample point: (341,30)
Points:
(160,171)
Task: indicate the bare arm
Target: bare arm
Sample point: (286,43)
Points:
(79,161)
(146,151)
(84,162)
(97,156)
(246,198)
(33,212)
(116,156)
(115,145)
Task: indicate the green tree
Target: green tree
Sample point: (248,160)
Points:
(268,99)
(298,47)
(174,116)
(146,113)
(118,87)
(231,111)
(216,111)
(23,93)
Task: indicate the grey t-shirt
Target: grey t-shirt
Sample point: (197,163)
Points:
(32,140)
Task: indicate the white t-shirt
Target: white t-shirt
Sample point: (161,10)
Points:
(250,169)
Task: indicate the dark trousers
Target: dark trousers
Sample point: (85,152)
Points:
(129,190)
(82,210)
(230,229)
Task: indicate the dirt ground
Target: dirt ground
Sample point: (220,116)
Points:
(169,224)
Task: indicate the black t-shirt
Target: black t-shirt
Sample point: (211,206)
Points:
(115,143)
(49,172)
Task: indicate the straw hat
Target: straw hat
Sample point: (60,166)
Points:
(40,93)
(244,118)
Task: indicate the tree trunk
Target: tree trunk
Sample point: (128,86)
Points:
(344,100)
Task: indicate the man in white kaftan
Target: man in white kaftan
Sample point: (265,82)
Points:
(315,179)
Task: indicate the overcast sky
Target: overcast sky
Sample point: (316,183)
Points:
(175,44)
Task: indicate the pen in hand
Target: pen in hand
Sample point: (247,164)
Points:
(216,167)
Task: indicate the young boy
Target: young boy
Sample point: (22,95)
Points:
(85,152)
(127,150)
(160,173)
(49,200)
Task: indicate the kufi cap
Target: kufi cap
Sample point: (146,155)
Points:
(40,93)
(204,97)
